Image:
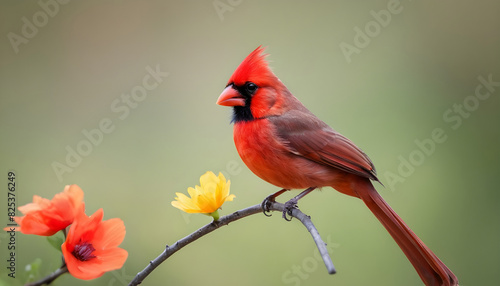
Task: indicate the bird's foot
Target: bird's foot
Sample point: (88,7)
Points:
(289,207)
(292,204)
(267,202)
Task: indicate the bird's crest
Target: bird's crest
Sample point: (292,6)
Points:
(253,68)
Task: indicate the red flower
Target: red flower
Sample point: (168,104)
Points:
(91,248)
(46,217)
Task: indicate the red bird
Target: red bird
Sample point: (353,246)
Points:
(283,143)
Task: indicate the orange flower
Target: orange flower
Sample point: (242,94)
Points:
(46,217)
(91,248)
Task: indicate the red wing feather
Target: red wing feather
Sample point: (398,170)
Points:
(307,136)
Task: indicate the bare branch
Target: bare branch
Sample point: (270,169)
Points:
(273,206)
(49,278)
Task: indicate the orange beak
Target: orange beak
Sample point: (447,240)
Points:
(231,97)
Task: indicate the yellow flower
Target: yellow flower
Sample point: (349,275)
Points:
(206,198)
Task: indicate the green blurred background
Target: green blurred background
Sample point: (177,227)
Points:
(407,73)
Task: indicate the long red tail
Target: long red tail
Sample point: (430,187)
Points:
(431,270)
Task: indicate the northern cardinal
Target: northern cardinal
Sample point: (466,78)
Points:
(283,143)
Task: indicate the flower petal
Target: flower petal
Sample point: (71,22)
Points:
(46,217)
(73,264)
(111,259)
(102,239)
(206,198)
(207,177)
(35,224)
(229,198)
(38,204)
(109,234)
(184,203)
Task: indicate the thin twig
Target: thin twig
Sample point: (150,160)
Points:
(273,206)
(49,278)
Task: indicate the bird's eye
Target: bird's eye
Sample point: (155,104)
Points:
(250,87)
